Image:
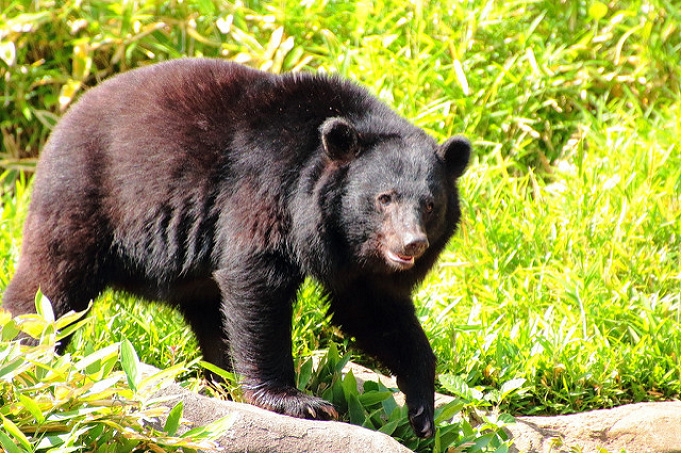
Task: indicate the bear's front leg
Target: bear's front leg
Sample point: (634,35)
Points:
(257,309)
(387,328)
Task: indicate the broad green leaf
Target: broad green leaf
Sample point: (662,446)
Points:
(32,324)
(369,424)
(389,405)
(341,364)
(14,367)
(389,428)
(72,414)
(102,354)
(437,441)
(338,392)
(174,419)
(328,395)
(71,317)
(217,370)
(9,444)
(48,336)
(355,410)
(332,356)
(212,430)
(15,432)
(448,411)
(503,448)
(166,375)
(130,363)
(511,386)
(10,351)
(459,387)
(349,384)
(448,434)
(103,388)
(70,329)
(53,440)
(10,330)
(371,386)
(305,374)
(44,307)
(32,407)
(371,398)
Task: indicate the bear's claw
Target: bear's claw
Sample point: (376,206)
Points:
(422,423)
(291,401)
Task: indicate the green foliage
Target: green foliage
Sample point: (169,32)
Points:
(572,282)
(520,76)
(560,293)
(100,401)
(374,407)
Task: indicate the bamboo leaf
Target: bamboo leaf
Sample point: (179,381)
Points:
(15,432)
(44,307)
(99,355)
(130,363)
(8,444)
(32,407)
(174,419)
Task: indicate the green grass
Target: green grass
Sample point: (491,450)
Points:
(572,282)
(566,271)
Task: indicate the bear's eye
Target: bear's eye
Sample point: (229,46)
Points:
(385,199)
(429,207)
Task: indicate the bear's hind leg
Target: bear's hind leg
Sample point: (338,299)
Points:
(19,296)
(68,273)
(206,321)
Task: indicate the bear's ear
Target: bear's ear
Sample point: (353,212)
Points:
(455,152)
(339,139)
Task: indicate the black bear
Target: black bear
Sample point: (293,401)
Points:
(217,188)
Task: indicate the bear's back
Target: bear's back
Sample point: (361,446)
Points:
(199,115)
(158,157)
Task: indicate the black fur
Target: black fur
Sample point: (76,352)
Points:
(217,189)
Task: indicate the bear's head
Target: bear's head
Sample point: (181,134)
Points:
(399,204)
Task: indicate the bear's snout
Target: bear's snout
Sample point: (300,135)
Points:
(415,243)
(412,244)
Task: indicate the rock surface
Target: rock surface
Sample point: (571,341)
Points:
(634,428)
(256,430)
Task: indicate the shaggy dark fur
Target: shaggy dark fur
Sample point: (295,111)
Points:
(217,188)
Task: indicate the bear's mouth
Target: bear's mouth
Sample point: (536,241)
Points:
(402,261)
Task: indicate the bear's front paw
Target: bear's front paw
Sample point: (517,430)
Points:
(421,419)
(290,401)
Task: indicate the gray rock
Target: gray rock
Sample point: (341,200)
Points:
(633,428)
(256,430)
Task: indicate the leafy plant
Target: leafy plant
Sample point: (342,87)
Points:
(101,401)
(374,407)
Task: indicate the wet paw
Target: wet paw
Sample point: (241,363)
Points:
(291,401)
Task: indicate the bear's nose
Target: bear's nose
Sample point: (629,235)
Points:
(415,244)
